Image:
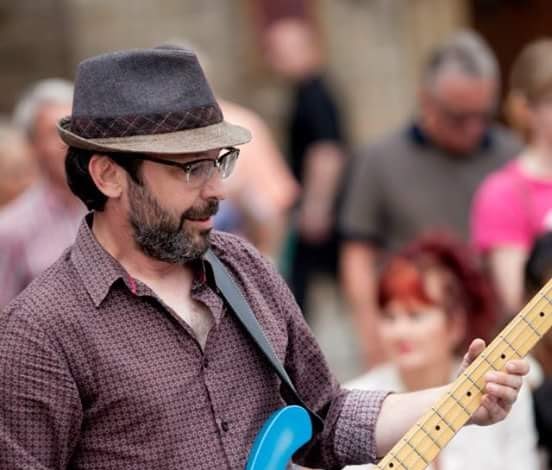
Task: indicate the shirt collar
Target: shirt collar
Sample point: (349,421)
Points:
(421,138)
(98,270)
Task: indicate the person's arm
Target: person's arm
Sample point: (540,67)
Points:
(359,280)
(500,231)
(399,412)
(40,408)
(323,172)
(363,229)
(506,268)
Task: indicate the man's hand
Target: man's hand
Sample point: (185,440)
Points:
(501,389)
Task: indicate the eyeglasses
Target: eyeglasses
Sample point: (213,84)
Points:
(197,172)
(459,119)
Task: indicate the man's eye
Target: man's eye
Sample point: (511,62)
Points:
(194,168)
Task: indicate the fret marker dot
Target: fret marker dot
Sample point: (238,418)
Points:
(542,314)
(503,356)
(391,465)
(469,394)
(437,427)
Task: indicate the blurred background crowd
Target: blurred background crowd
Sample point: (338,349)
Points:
(400,172)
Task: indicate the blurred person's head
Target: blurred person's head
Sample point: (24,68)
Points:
(458,93)
(529,102)
(17,167)
(37,114)
(434,300)
(291,48)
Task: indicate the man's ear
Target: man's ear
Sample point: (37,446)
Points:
(108,176)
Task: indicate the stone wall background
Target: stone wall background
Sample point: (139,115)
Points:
(374,48)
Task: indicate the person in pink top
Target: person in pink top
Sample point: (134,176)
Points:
(42,221)
(513,205)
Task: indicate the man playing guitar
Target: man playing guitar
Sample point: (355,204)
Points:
(123,355)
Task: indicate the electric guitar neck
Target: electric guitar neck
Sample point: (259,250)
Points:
(423,442)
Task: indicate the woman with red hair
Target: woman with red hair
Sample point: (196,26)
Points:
(434,300)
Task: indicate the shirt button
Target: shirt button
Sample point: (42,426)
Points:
(224,426)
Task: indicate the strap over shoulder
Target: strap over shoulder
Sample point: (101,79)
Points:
(241,309)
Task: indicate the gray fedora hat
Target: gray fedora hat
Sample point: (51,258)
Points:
(146,100)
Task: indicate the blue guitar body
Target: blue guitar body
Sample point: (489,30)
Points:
(281,436)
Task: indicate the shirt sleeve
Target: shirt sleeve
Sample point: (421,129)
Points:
(362,215)
(40,408)
(499,214)
(323,121)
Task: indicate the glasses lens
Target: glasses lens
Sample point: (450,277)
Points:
(199,172)
(227,163)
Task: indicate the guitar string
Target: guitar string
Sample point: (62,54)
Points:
(456,405)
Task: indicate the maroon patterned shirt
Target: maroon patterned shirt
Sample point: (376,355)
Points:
(97,373)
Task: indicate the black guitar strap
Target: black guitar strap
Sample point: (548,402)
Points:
(239,305)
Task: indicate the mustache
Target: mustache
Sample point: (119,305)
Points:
(201,212)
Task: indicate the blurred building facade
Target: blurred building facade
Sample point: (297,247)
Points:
(374,47)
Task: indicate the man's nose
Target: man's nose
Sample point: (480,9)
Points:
(214,187)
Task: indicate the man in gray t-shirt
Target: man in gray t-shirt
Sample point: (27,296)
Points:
(423,176)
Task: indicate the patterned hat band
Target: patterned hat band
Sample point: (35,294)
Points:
(148,124)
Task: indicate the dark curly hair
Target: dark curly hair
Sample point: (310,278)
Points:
(463,280)
(81,183)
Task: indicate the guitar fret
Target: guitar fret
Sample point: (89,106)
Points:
(443,420)
(459,403)
(398,460)
(546,297)
(482,356)
(416,451)
(510,345)
(430,437)
(473,383)
(531,326)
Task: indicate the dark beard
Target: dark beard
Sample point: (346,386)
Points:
(162,236)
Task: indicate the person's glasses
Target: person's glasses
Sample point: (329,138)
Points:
(459,119)
(196,172)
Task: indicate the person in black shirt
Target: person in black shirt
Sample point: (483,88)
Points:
(316,151)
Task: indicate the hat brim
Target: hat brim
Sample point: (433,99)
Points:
(201,139)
